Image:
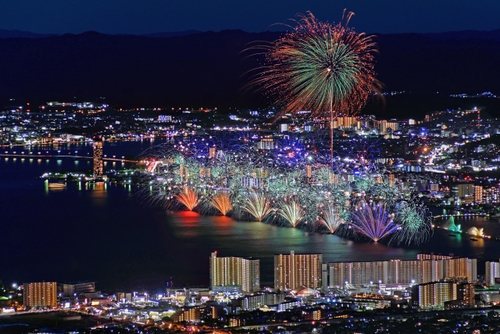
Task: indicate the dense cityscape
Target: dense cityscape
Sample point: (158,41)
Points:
(448,161)
(347,182)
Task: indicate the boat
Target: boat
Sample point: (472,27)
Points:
(57,185)
(473,239)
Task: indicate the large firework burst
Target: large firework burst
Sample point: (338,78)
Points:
(415,223)
(332,218)
(188,198)
(292,213)
(320,67)
(373,221)
(257,205)
(222,202)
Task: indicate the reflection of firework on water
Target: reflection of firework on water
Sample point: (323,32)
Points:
(292,213)
(318,66)
(257,206)
(372,221)
(188,198)
(414,221)
(331,218)
(222,203)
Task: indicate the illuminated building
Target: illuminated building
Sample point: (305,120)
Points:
(252,182)
(98,169)
(70,289)
(433,294)
(433,257)
(345,122)
(384,125)
(165,118)
(230,272)
(266,144)
(465,294)
(40,294)
(188,314)
(443,294)
(461,268)
(293,271)
(257,300)
(492,274)
(392,179)
(427,268)
(284,127)
(212,152)
(462,190)
(478,194)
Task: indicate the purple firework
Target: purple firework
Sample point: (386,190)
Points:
(373,221)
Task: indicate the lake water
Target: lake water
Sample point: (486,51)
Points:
(111,236)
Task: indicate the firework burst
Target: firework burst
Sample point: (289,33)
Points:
(320,67)
(188,198)
(292,213)
(222,203)
(415,223)
(257,206)
(373,221)
(332,218)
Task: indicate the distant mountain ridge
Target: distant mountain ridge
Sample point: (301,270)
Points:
(466,34)
(21,34)
(4,33)
(172,34)
(208,69)
(461,35)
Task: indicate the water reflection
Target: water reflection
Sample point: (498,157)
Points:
(190,221)
(99,194)
(261,240)
(222,221)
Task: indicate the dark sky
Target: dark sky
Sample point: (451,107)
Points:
(149,16)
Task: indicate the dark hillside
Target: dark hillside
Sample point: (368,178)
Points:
(208,69)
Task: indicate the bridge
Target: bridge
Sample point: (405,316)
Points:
(67,156)
(461,215)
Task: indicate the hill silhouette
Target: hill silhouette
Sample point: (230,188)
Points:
(208,69)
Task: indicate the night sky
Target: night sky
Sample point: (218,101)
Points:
(151,16)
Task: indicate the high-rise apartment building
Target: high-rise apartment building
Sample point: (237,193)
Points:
(462,190)
(293,271)
(398,272)
(492,274)
(384,125)
(234,272)
(478,194)
(256,300)
(40,294)
(77,288)
(466,294)
(434,294)
(443,294)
